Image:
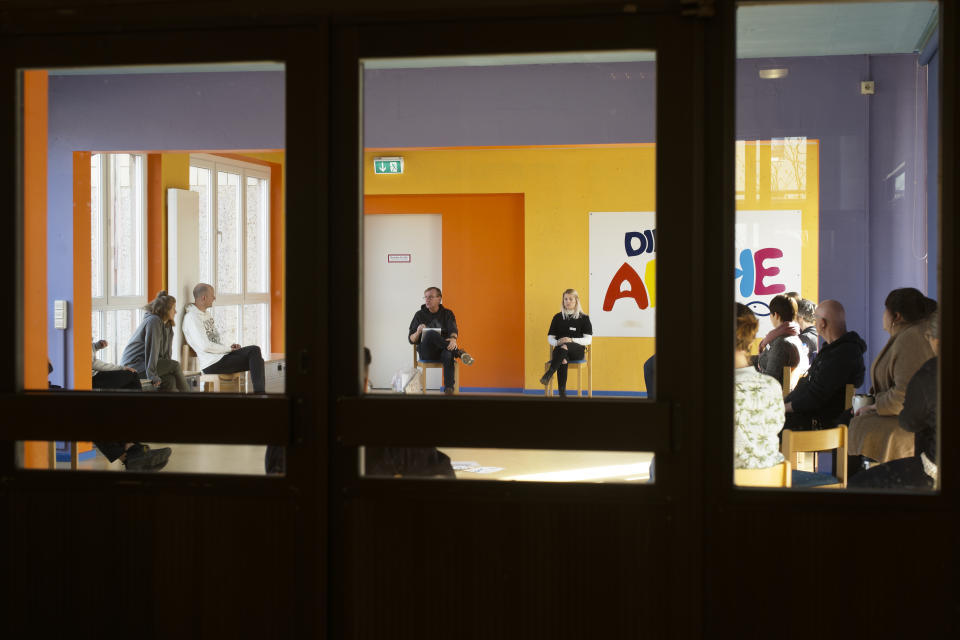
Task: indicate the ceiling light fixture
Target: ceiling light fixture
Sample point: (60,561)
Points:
(773,74)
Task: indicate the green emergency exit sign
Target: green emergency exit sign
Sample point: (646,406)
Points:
(388,165)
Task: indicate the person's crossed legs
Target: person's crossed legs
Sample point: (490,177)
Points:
(242,359)
(433,347)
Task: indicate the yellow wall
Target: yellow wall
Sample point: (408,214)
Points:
(561,185)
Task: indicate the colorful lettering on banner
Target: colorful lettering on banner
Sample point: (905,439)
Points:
(623,290)
(642,294)
(645,242)
(623,285)
(753,271)
(769,259)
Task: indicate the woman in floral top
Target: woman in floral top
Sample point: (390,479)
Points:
(758,413)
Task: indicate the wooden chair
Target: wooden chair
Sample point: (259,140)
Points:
(423,365)
(215,382)
(849,391)
(789,380)
(794,442)
(52,455)
(776,476)
(571,364)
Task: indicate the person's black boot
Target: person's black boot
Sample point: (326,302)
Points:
(141,457)
(545,379)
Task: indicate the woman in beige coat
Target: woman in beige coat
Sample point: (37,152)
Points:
(875,431)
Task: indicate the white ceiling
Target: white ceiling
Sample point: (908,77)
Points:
(834,29)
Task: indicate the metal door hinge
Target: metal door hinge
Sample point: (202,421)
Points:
(698,8)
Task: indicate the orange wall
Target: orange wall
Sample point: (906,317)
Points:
(483,277)
(35,105)
(156,223)
(82,289)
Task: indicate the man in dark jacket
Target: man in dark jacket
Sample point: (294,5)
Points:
(434,330)
(819,396)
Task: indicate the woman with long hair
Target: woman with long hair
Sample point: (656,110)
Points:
(570,332)
(875,432)
(758,411)
(150,346)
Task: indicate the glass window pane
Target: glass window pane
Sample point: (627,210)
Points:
(97,330)
(127,221)
(257,258)
(127,321)
(835,244)
(515,465)
(227,318)
(255,325)
(173,457)
(523,155)
(96,228)
(229,232)
(200,182)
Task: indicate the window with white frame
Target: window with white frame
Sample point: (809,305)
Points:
(117,248)
(235,245)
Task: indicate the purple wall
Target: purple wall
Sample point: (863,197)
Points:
(215,111)
(869,243)
(510,105)
(871,234)
(897,217)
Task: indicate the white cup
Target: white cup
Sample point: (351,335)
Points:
(861,400)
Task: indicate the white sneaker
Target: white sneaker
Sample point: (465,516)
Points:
(466,358)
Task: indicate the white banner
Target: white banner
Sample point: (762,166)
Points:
(623,266)
(768,259)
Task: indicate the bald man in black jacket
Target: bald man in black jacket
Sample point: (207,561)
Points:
(818,398)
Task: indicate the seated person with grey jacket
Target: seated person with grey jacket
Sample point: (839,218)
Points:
(150,346)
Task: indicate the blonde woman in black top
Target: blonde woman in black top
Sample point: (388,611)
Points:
(570,331)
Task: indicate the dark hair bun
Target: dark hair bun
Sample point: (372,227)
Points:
(162,292)
(910,303)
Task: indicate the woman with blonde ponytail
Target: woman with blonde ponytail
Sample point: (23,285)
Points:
(150,346)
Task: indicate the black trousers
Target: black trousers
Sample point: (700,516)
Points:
(433,347)
(112,450)
(275,459)
(573,351)
(121,379)
(905,473)
(242,359)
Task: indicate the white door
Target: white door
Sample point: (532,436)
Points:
(401,257)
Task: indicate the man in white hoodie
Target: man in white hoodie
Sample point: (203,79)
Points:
(201,334)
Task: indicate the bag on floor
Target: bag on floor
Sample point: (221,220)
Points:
(407,381)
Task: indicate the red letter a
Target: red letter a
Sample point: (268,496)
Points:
(636,291)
